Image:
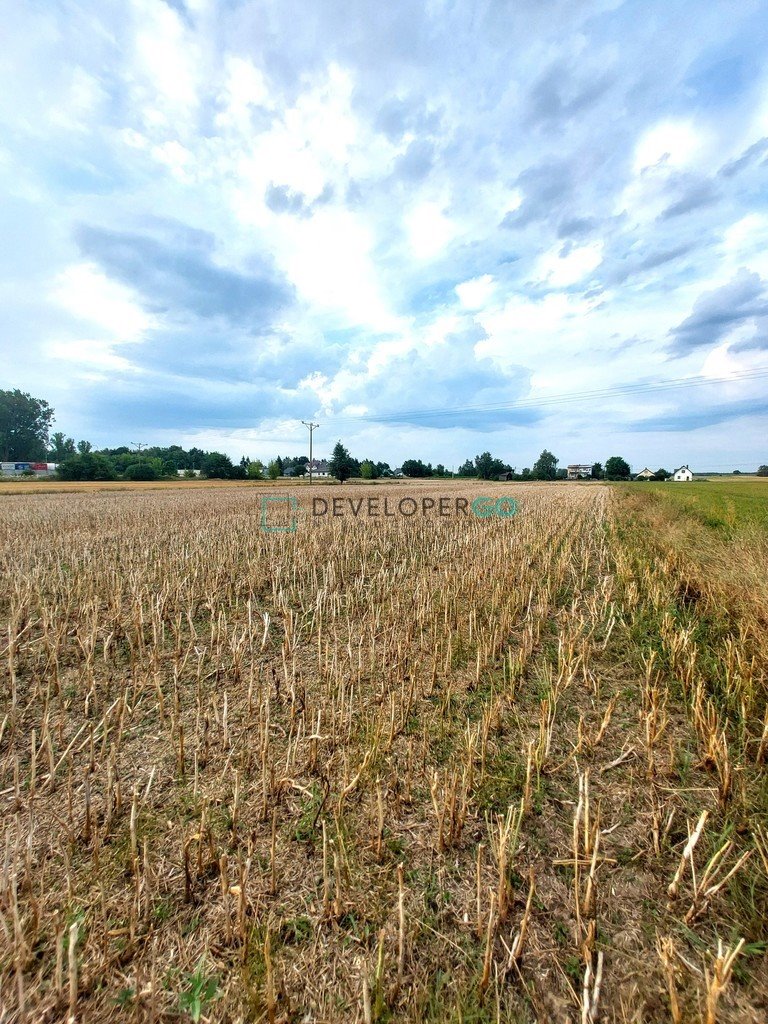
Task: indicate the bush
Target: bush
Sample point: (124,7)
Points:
(88,466)
(140,471)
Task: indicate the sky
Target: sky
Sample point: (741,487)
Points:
(435,228)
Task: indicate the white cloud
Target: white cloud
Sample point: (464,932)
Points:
(328,258)
(561,269)
(672,143)
(245,87)
(88,294)
(476,293)
(429,230)
(167,69)
(174,122)
(91,352)
(745,244)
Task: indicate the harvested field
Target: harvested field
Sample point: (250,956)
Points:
(406,768)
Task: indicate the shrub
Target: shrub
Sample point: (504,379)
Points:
(140,471)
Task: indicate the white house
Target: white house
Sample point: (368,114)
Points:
(319,467)
(645,474)
(577,471)
(683,473)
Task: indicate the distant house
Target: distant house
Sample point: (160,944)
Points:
(645,474)
(183,472)
(508,475)
(319,467)
(683,473)
(579,472)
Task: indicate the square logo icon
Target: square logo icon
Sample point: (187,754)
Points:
(278,499)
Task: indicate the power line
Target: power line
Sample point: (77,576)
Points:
(670,384)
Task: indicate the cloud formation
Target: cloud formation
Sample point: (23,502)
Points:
(401,219)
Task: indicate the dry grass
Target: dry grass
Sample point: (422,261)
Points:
(376,769)
(29,487)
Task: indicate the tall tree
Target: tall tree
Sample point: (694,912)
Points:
(24,425)
(545,467)
(617,468)
(217,466)
(61,447)
(487,467)
(341,464)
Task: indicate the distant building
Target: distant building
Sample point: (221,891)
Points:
(645,474)
(507,475)
(183,472)
(683,473)
(579,472)
(319,467)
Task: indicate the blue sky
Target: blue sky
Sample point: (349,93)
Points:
(417,223)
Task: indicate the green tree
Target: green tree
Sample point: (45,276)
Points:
(487,467)
(415,468)
(84,447)
(662,474)
(217,466)
(61,447)
(467,468)
(88,466)
(597,471)
(24,425)
(140,471)
(762,470)
(255,470)
(368,470)
(617,468)
(274,469)
(341,464)
(545,467)
(174,454)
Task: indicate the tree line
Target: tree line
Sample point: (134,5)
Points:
(25,424)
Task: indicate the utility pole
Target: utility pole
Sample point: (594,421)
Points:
(138,445)
(311,427)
